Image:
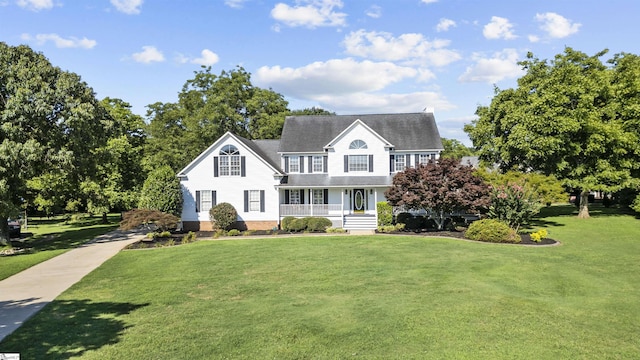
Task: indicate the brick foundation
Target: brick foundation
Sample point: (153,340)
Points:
(242,225)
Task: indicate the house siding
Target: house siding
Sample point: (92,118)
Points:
(230,189)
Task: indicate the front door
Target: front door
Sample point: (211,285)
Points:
(359,201)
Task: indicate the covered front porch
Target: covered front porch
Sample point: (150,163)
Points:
(347,208)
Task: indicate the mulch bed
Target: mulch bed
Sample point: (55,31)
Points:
(525,238)
(176,239)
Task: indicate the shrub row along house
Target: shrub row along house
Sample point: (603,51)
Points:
(336,167)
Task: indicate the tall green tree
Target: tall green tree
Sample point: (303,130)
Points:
(50,123)
(454,149)
(162,191)
(561,120)
(208,106)
(120,170)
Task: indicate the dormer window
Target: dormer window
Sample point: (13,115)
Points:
(357,144)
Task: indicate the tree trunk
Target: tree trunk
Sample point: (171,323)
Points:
(4,232)
(104,218)
(583,213)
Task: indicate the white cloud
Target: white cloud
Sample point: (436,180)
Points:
(361,103)
(501,65)
(35,5)
(207,58)
(148,55)
(60,42)
(236,4)
(429,1)
(557,26)
(314,13)
(374,11)
(406,47)
(130,7)
(498,28)
(334,77)
(350,86)
(533,38)
(445,24)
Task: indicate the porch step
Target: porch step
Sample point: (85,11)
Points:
(360,222)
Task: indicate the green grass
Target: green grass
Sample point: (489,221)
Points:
(50,237)
(400,297)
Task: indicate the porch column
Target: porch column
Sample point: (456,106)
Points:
(342,206)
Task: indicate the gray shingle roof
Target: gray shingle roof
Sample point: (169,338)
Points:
(310,133)
(266,149)
(325,181)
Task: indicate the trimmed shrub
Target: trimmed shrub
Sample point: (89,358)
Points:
(335,230)
(491,230)
(318,224)
(403,217)
(414,223)
(233,232)
(223,216)
(385,213)
(298,224)
(285,224)
(151,219)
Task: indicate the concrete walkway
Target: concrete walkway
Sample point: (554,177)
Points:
(24,294)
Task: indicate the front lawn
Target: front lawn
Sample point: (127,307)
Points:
(49,237)
(371,297)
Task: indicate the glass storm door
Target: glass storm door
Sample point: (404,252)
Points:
(359,201)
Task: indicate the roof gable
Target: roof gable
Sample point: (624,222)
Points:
(262,149)
(351,127)
(411,131)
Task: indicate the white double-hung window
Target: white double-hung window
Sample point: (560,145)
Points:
(400,161)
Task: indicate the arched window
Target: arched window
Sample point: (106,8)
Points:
(229,161)
(358,144)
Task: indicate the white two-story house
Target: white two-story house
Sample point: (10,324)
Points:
(336,167)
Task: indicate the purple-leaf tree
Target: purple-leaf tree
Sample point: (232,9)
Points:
(440,188)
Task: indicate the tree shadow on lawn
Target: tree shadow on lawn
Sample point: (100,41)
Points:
(595,210)
(68,239)
(67,328)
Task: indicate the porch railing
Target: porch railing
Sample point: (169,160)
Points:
(310,209)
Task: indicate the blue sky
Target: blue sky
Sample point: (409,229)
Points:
(350,57)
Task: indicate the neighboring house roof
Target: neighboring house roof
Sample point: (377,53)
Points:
(310,133)
(324,180)
(473,161)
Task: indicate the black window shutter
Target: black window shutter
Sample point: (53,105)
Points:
(346,163)
(325,159)
(261,200)
(326,196)
(243,166)
(246,201)
(215,166)
(301,164)
(214,201)
(286,197)
(310,160)
(391,163)
(408,157)
(197,201)
(370,163)
(417,160)
(302,193)
(286,164)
